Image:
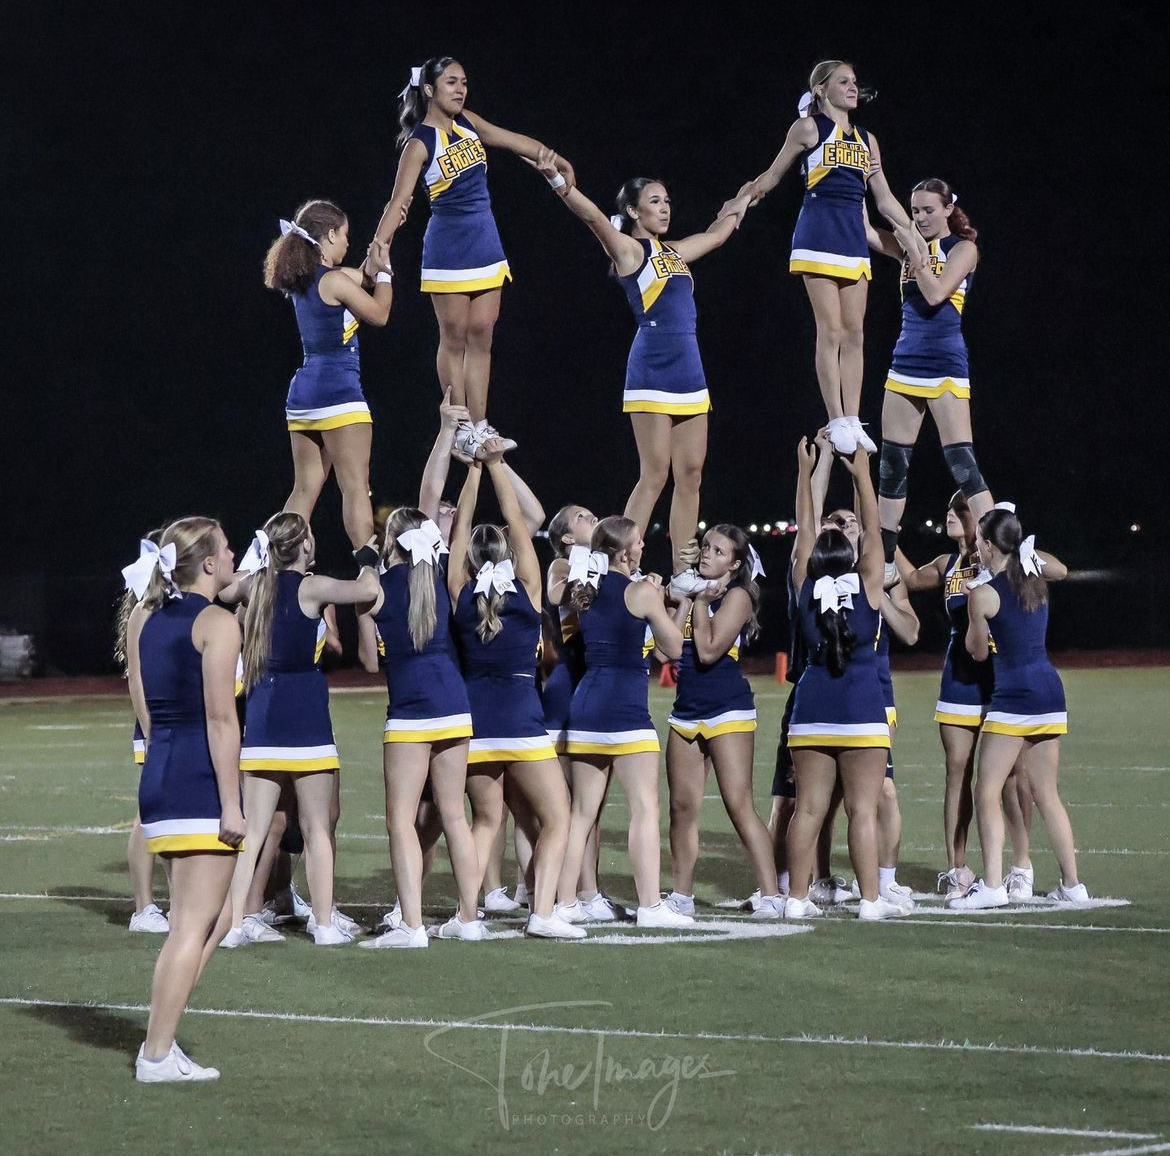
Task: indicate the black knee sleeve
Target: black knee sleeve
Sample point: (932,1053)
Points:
(895,469)
(964,468)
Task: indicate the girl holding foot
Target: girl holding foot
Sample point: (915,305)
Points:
(181,653)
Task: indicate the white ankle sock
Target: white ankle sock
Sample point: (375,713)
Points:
(886,877)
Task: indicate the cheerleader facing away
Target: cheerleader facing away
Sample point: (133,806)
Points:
(839,162)
(328,419)
(181,654)
(839,723)
(1009,606)
(666,389)
(610,729)
(288,733)
(713,721)
(444,146)
(495,586)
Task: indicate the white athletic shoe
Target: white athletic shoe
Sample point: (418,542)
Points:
(467,439)
(338,918)
(900,895)
(681,904)
(800,909)
(957,881)
(151,919)
(487,431)
(552,928)
(752,902)
(1020,882)
(300,909)
(571,912)
(455,928)
(770,907)
(879,908)
(1077,894)
(522,896)
(257,931)
(602,909)
(842,435)
(980,897)
(174,1068)
(830,891)
(331,936)
(661,915)
(686,584)
(864,441)
(497,902)
(400,936)
(393,917)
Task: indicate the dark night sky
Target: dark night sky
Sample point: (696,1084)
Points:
(149,151)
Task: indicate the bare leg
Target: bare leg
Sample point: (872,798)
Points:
(314,803)
(453,311)
(952,416)
(349,447)
(590,776)
(782,808)
(449,782)
(958,802)
(547,798)
(493,871)
(901,422)
(141,864)
(405,766)
(862,774)
(997,755)
(526,830)
(638,774)
(825,837)
(652,433)
(1043,764)
(1019,828)
(688,452)
(889,819)
(816,777)
(686,775)
(477,360)
(854,295)
(310,469)
(732,756)
(485,789)
(199,887)
(261,795)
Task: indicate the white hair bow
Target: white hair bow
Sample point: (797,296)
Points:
(981,579)
(497,576)
(150,558)
(836,593)
(414,82)
(587,566)
(617,221)
(287,227)
(1009,506)
(758,570)
(256,556)
(804,104)
(425,543)
(1030,561)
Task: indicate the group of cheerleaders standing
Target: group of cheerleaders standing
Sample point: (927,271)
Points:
(527,691)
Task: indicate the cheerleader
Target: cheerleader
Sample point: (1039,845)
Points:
(1009,607)
(610,729)
(838,721)
(929,370)
(181,654)
(288,732)
(495,585)
(328,419)
(713,721)
(666,390)
(839,162)
(463,264)
(428,724)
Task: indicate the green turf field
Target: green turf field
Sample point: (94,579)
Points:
(1029,1031)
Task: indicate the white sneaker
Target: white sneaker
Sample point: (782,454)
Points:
(602,909)
(682,904)
(400,936)
(879,908)
(332,936)
(255,930)
(980,897)
(300,909)
(174,1068)
(752,902)
(1077,894)
(393,917)
(771,907)
(571,912)
(487,431)
(339,919)
(151,919)
(1020,882)
(842,435)
(800,909)
(957,881)
(900,895)
(686,584)
(552,928)
(497,902)
(830,891)
(661,915)
(455,928)
(864,441)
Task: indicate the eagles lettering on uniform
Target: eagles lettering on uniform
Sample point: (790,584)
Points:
(460,156)
(852,153)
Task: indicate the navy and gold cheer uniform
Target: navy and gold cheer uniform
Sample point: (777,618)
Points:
(287,725)
(664,373)
(930,358)
(712,698)
(462,251)
(178,795)
(500,677)
(829,238)
(557,692)
(428,701)
(966,685)
(326,392)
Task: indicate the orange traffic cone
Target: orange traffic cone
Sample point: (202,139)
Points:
(781,666)
(668,675)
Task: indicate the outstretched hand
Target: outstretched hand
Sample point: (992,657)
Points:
(806,456)
(545,163)
(450,416)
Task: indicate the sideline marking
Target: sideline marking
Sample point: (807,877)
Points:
(1037,1129)
(558,1029)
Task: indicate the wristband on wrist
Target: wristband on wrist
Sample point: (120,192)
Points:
(366,556)
(557,182)
(384,277)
